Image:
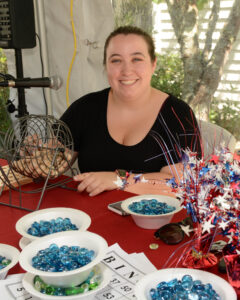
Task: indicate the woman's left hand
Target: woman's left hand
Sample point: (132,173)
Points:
(95,183)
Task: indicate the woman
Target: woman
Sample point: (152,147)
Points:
(129,126)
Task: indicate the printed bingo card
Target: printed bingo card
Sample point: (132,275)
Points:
(12,289)
(126,271)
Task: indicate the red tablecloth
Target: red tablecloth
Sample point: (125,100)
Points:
(113,227)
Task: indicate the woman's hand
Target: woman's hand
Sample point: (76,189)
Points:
(95,183)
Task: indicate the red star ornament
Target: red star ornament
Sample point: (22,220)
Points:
(236,156)
(234,186)
(215,158)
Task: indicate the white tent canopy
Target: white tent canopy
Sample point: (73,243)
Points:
(93,21)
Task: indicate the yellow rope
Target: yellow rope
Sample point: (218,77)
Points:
(74,54)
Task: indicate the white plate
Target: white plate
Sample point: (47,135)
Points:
(11,253)
(77,217)
(28,285)
(24,242)
(221,286)
(152,221)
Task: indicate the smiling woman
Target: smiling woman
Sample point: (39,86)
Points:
(130,125)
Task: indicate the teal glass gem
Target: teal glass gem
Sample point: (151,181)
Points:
(43,228)
(59,292)
(65,258)
(151,207)
(183,289)
(173,282)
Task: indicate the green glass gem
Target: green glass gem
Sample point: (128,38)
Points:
(36,278)
(74,291)
(39,283)
(85,287)
(92,286)
(50,290)
(38,286)
(93,281)
(6,262)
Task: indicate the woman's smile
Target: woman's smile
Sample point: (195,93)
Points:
(128,82)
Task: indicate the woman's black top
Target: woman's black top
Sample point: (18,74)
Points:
(174,129)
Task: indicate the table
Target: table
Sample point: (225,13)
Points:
(111,226)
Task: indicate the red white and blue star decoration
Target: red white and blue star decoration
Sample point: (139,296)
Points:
(210,191)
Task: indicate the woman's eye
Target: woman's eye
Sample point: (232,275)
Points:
(137,59)
(115,61)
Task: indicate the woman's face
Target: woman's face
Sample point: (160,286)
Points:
(129,66)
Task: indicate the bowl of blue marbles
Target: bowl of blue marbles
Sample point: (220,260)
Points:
(8,258)
(151,211)
(98,279)
(183,283)
(43,222)
(64,259)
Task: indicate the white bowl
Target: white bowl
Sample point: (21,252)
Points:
(77,217)
(28,285)
(85,239)
(23,242)
(221,286)
(151,221)
(11,253)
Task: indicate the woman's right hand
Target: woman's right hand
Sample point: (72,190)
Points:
(95,183)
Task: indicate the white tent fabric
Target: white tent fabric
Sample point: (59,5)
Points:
(93,21)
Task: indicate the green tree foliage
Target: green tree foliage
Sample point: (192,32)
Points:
(133,12)
(5,120)
(168,76)
(226,115)
(203,65)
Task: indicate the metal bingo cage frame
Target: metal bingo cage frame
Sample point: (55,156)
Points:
(37,149)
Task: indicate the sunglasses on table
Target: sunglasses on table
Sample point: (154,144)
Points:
(173,233)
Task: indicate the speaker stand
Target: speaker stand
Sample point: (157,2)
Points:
(22,107)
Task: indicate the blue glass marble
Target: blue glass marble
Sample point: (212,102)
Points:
(61,259)
(184,289)
(43,227)
(4,262)
(151,207)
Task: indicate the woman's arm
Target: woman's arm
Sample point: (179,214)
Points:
(155,183)
(95,183)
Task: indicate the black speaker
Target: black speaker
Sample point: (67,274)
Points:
(17,26)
